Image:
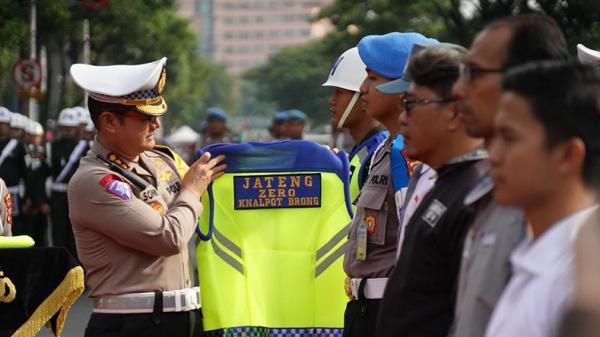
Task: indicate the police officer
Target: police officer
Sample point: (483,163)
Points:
(36,205)
(371,248)
(277,128)
(294,126)
(346,76)
(12,167)
(64,154)
(133,211)
(216,130)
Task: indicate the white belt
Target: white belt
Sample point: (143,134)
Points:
(140,303)
(59,187)
(374,287)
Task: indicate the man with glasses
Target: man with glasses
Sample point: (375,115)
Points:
(133,211)
(485,268)
(419,297)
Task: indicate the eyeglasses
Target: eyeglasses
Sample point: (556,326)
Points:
(469,72)
(144,118)
(411,104)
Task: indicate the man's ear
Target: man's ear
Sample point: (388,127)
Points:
(454,123)
(108,121)
(570,156)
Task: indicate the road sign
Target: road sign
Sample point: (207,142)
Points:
(27,74)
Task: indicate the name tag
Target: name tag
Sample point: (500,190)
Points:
(277,191)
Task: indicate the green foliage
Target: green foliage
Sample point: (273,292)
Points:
(125,32)
(292,80)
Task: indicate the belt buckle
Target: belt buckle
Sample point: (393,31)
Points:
(348,288)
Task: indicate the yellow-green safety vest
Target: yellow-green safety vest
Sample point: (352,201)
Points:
(276,225)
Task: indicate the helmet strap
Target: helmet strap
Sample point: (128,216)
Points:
(348,109)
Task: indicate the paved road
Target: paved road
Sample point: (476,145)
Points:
(76,319)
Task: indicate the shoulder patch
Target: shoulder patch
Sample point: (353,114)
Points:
(113,184)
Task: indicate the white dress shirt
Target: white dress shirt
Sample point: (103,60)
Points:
(424,184)
(541,286)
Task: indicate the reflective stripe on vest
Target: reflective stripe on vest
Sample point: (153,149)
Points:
(275,265)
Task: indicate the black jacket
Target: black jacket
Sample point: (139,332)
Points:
(420,295)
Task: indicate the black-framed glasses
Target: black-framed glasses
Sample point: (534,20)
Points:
(470,72)
(411,104)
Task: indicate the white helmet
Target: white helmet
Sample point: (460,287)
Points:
(4,115)
(18,121)
(68,117)
(82,113)
(34,128)
(348,71)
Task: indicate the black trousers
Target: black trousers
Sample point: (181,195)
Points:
(170,324)
(62,232)
(360,318)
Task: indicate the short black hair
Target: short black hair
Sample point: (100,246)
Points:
(535,37)
(565,99)
(97,107)
(436,67)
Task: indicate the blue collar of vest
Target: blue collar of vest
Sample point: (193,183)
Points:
(280,156)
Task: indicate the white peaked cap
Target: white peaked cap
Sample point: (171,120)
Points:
(136,85)
(587,55)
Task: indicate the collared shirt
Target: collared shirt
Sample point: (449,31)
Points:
(131,240)
(425,181)
(485,266)
(376,205)
(541,286)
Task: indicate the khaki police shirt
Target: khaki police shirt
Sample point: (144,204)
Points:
(5,210)
(137,241)
(375,201)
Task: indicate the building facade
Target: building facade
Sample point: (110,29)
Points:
(242,34)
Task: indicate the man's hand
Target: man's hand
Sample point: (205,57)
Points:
(202,172)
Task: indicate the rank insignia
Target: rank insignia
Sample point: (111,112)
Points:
(115,159)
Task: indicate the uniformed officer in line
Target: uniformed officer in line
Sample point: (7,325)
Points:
(12,168)
(346,76)
(216,130)
(277,128)
(371,249)
(294,126)
(63,155)
(133,211)
(36,207)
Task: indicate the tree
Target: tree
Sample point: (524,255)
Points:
(292,79)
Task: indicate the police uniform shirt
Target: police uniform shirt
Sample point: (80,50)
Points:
(132,240)
(420,294)
(377,208)
(13,167)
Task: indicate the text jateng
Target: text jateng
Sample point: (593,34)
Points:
(277,191)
